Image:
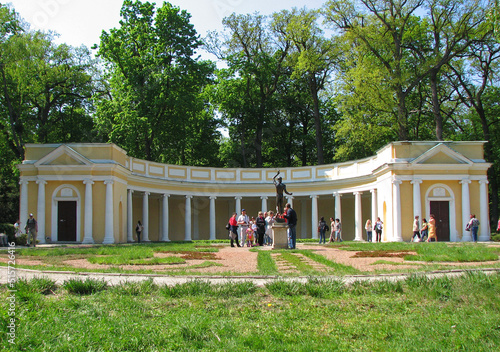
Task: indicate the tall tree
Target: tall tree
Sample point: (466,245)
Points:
(155,108)
(257,60)
(312,59)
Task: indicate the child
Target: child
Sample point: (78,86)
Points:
(250,237)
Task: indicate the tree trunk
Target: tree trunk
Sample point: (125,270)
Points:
(436,107)
(317,120)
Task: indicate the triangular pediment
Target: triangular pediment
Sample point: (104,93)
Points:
(442,154)
(63,155)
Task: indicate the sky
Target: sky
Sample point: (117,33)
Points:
(82,21)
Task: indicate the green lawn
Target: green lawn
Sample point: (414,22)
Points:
(418,314)
(420,256)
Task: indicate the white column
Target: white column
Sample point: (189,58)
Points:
(145,217)
(23,204)
(303,215)
(396,211)
(314,216)
(417,202)
(263,205)
(289,199)
(130,216)
(187,220)
(484,219)
(358,217)
(338,206)
(165,224)
(41,210)
(374,206)
(109,214)
(88,220)
(466,235)
(212,217)
(238,206)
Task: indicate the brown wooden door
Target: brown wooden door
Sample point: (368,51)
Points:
(66,221)
(441,211)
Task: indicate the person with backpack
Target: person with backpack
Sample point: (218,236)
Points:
(322,228)
(378,226)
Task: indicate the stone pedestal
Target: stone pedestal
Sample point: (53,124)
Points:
(280,236)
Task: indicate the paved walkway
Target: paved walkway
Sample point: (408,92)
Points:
(115,279)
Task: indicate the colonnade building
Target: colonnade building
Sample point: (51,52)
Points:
(95,193)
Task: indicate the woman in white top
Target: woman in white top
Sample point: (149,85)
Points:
(268,240)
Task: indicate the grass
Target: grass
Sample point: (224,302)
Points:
(114,258)
(417,314)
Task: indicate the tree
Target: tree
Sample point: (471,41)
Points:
(311,61)
(256,61)
(155,108)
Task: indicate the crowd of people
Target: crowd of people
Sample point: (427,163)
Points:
(250,231)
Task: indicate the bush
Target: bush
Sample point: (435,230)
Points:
(495,237)
(7,229)
(87,287)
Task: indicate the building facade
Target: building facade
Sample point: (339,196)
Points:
(95,193)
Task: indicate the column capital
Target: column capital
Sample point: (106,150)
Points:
(337,194)
(146,193)
(189,196)
(108,182)
(374,190)
(314,196)
(23,182)
(41,181)
(483,182)
(395,180)
(166,195)
(238,197)
(264,197)
(465,181)
(212,197)
(357,193)
(416,181)
(88,181)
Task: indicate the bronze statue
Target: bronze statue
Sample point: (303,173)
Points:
(280,188)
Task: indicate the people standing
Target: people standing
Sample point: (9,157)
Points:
(291,217)
(138,230)
(269,228)
(368,228)
(378,226)
(432,228)
(424,231)
(322,230)
(261,228)
(333,227)
(416,228)
(338,234)
(233,228)
(31,230)
(474,226)
(243,222)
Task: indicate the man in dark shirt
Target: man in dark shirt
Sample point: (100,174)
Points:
(291,217)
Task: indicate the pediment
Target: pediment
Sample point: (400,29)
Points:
(442,154)
(63,155)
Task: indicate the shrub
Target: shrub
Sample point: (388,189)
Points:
(87,287)
(286,288)
(495,237)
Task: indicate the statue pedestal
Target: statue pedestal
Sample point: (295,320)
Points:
(280,236)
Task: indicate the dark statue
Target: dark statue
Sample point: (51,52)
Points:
(280,188)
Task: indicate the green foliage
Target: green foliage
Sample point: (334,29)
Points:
(266,264)
(156,108)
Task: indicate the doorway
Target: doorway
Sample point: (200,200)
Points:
(66,221)
(441,211)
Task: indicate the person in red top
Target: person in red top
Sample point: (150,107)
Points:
(234,230)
